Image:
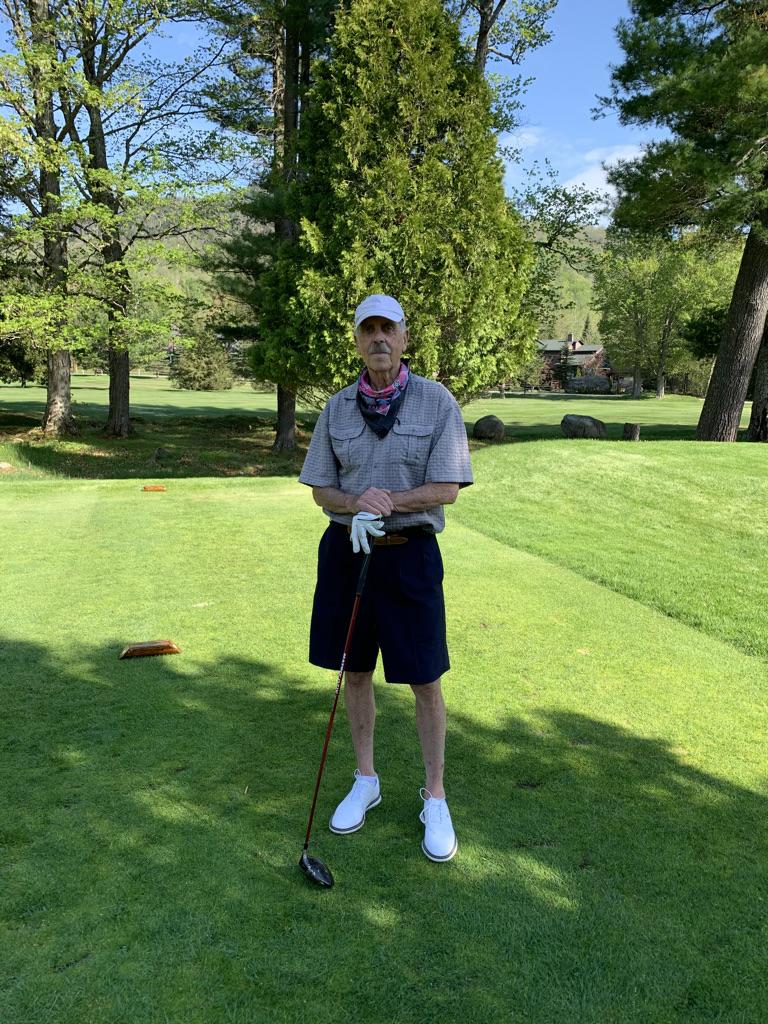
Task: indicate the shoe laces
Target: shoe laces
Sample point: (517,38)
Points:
(435,809)
(362,784)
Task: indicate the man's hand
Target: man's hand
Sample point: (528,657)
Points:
(376,501)
(363,524)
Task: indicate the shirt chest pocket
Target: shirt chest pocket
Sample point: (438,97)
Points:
(348,445)
(412,441)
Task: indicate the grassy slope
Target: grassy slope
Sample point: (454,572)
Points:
(613,845)
(680,527)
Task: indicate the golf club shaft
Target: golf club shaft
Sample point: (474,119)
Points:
(347,644)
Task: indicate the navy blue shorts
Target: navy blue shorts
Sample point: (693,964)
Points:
(402,612)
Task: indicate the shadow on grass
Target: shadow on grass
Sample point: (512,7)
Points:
(154,816)
(184,447)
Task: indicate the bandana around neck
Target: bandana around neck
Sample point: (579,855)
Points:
(378,400)
(379,407)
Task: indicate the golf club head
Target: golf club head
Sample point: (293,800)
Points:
(316,871)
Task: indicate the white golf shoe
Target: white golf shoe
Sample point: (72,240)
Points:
(439,843)
(349,816)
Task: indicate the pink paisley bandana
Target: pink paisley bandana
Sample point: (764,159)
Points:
(379,401)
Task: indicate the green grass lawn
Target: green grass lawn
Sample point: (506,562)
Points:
(608,617)
(606,755)
(681,527)
(229,433)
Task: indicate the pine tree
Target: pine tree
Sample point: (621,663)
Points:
(586,331)
(698,71)
(265,97)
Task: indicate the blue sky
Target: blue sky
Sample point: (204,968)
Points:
(569,73)
(556,121)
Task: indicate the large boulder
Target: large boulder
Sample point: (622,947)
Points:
(582,426)
(488,428)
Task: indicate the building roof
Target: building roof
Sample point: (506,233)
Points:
(556,345)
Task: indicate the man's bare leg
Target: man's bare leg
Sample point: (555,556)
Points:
(361,715)
(430,721)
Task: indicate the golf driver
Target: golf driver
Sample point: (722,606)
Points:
(315,870)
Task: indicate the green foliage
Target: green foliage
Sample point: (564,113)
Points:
(20,362)
(503,30)
(403,194)
(41,321)
(698,70)
(648,289)
(530,374)
(202,366)
(566,244)
(704,330)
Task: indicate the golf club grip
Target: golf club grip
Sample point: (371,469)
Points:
(363,574)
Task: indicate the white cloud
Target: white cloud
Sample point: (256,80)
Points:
(592,173)
(610,154)
(526,139)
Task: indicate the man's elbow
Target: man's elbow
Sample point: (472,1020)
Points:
(451,493)
(318,494)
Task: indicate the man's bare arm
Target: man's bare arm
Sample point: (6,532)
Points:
(383,502)
(425,497)
(373,500)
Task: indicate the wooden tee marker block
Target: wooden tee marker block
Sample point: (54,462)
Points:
(153,487)
(150,648)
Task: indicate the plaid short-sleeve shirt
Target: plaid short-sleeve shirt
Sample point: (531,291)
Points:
(427,444)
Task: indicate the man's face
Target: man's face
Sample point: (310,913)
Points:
(381,343)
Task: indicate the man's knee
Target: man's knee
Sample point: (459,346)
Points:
(359,680)
(428,693)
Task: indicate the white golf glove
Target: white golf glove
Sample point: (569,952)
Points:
(365,523)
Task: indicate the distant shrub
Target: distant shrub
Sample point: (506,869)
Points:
(203,367)
(592,384)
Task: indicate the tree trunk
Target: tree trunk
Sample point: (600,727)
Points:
(285,439)
(118,421)
(287,73)
(487,19)
(637,383)
(661,377)
(723,405)
(481,47)
(113,253)
(58,419)
(758,421)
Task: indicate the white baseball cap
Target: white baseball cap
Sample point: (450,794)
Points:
(379,305)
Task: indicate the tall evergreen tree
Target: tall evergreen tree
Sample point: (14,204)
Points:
(265,97)
(402,192)
(698,70)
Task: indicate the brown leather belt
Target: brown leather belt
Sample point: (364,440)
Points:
(387,539)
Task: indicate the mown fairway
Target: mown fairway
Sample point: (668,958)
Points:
(607,618)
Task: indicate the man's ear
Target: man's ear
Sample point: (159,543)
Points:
(407,337)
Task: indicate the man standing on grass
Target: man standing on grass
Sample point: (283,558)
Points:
(389,450)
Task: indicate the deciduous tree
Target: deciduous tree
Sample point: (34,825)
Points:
(648,288)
